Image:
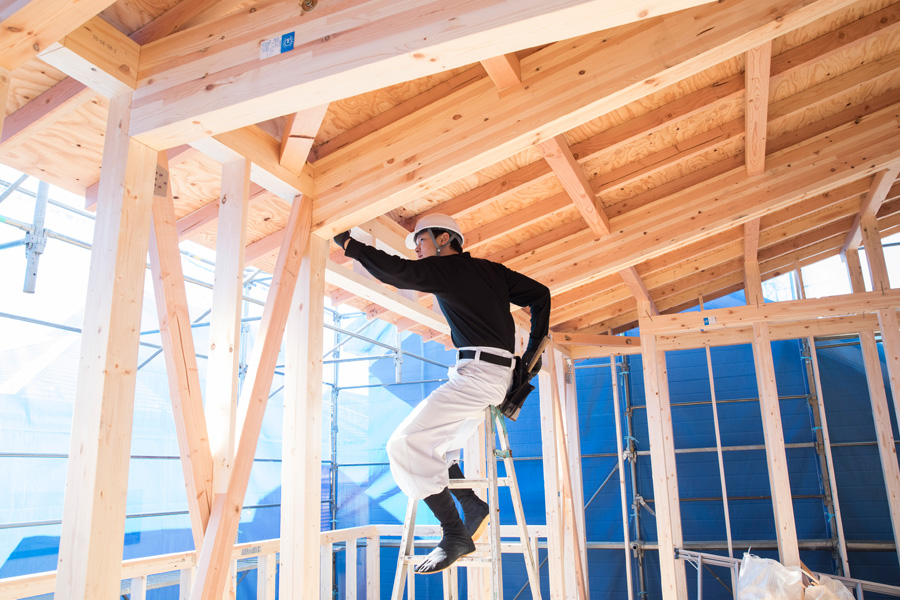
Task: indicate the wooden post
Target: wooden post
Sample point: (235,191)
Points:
(181,360)
(225,319)
(350,570)
(93,525)
(475,459)
(854,270)
(887,450)
(266,568)
(552,484)
(301,466)
(226,511)
(572,439)
(782,505)
(373,567)
(874,253)
(665,475)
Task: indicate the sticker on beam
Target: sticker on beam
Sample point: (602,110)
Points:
(276,45)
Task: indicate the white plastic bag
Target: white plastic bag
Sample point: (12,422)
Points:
(828,589)
(766,579)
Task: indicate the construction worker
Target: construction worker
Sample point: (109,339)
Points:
(474,295)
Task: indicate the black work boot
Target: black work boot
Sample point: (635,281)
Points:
(456,541)
(475,510)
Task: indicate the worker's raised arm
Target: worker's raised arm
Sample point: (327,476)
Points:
(393,270)
(525,291)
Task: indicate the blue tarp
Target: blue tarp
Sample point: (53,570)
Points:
(36,419)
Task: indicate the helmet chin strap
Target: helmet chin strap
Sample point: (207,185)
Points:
(437,249)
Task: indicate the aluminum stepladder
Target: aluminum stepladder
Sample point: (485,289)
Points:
(407,557)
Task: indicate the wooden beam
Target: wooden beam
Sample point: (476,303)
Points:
(205,74)
(31,26)
(682,108)
(379,294)
(584,339)
(793,310)
(263,151)
(181,360)
(175,19)
(568,400)
(684,217)
(301,465)
(504,70)
(758,63)
(52,105)
(223,349)
(93,526)
(873,200)
(574,180)
(99,56)
(434,154)
(214,557)
(299,135)
(887,449)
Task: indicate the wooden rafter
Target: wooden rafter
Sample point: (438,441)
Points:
(757,70)
(878,192)
(299,135)
(574,180)
(486,131)
(504,70)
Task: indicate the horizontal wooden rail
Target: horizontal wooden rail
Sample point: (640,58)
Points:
(135,572)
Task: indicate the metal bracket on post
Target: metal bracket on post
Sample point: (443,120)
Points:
(36,240)
(161,185)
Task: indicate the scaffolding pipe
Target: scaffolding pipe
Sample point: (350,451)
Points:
(11,187)
(637,545)
(826,440)
(620,458)
(712,392)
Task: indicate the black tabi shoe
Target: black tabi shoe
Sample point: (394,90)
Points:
(456,541)
(475,510)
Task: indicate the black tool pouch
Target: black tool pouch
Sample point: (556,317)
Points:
(518,391)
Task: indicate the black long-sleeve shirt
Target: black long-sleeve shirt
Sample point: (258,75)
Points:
(474,294)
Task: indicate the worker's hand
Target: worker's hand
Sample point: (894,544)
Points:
(341,238)
(528,356)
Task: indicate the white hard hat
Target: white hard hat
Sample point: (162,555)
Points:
(434,221)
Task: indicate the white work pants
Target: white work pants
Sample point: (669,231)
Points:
(428,441)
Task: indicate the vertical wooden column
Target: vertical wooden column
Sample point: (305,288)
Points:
(301,463)
(782,505)
(569,400)
(475,460)
(854,270)
(665,473)
(181,360)
(552,483)
(887,319)
(225,319)
(93,526)
(874,253)
(887,449)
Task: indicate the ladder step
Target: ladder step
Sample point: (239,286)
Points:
(471,559)
(477,483)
